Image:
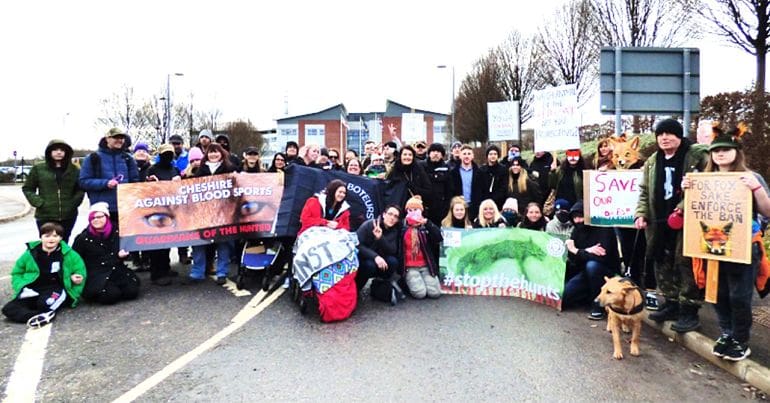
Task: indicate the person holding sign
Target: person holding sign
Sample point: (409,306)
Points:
(660,197)
(736,280)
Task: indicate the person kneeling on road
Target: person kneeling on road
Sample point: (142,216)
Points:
(378,248)
(47,275)
(420,239)
(593,254)
(109,280)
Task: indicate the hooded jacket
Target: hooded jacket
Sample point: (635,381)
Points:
(100,257)
(313,214)
(26,270)
(55,195)
(112,164)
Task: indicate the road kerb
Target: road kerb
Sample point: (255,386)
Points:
(12,217)
(746,370)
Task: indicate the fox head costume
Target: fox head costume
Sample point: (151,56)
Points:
(625,153)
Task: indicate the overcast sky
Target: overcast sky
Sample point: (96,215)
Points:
(61,58)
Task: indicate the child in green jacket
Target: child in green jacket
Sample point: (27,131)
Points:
(47,275)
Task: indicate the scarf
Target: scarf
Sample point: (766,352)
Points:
(538,225)
(662,207)
(106,231)
(412,238)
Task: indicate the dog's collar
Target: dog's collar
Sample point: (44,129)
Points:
(637,308)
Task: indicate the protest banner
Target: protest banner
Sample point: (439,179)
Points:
(557,119)
(503,120)
(611,197)
(507,262)
(413,128)
(717,218)
(157,215)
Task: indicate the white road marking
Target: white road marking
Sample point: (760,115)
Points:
(230,286)
(252,309)
(22,384)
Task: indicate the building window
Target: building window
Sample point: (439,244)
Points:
(315,134)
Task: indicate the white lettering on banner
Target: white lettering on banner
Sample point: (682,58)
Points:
(365,198)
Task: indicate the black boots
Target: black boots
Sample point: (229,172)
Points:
(668,311)
(688,319)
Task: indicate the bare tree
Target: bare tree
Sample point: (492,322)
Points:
(518,63)
(745,24)
(120,110)
(569,54)
(643,22)
(482,85)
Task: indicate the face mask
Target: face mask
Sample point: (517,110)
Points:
(166,158)
(510,216)
(562,216)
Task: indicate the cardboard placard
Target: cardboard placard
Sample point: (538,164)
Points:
(717,217)
(611,197)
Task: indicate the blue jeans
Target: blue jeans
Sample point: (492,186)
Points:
(586,285)
(198,269)
(736,287)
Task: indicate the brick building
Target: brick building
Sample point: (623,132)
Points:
(334,127)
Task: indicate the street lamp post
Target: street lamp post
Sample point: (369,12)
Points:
(168,122)
(443,66)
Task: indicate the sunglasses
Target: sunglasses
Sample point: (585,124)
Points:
(334,157)
(419,146)
(252,153)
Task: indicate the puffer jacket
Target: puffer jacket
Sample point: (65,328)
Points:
(54,198)
(112,164)
(26,270)
(101,260)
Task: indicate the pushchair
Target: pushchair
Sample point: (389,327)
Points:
(264,257)
(325,278)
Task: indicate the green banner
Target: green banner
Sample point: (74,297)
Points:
(507,262)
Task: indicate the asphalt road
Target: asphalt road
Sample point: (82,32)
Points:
(451,349)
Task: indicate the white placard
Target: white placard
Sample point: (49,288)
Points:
(412,128)
(557,118)
(503,120)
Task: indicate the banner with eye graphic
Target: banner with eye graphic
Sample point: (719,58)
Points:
(196,211)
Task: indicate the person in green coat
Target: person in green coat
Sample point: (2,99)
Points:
(46,276)
(52,188)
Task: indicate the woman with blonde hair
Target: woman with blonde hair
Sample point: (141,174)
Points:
(489,216)
(457,216)
(520,186)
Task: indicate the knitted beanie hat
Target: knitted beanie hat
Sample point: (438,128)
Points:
(415,202)
(671,126)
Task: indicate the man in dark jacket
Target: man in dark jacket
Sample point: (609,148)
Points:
(468,181)
(378,246)
(440,186)
(102,171)
(496,176)
(163,170)
(52,188)
(593,254)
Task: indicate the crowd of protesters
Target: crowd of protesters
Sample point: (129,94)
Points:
(399,248)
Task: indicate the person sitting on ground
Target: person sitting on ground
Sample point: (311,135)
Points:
(457,216)
(593,254)
(109,280)
(489,216)
(327,209)
(378,246)
(47,274)
(510,212)
(534,219)
(420,239)
(560,224)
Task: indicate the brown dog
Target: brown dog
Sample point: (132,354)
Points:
(624,302)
